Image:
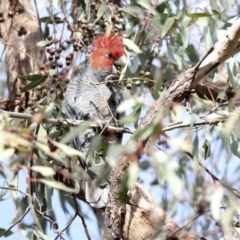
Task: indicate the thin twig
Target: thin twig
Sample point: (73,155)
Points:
(215,178)
(82,218)
(23,216)
(15,189)
(77,213)
(183,125)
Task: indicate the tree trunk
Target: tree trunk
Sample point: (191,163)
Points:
(23,57)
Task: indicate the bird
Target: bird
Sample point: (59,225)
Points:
(89,98)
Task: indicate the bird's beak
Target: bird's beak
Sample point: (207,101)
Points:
(121,61)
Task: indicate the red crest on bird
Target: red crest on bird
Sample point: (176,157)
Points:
(106,49)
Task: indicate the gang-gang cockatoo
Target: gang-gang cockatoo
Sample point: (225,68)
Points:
(89,100)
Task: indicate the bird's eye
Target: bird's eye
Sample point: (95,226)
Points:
(110,55)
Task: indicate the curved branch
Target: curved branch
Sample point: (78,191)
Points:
(180,89)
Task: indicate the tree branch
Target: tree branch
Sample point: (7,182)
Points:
(180,89)
(64,122)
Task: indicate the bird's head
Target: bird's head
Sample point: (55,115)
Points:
(107,50)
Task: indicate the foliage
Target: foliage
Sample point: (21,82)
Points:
(166,37)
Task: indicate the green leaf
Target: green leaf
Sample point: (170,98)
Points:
(234,145)
(124,198)
(135,10)
(185,36)
(145,4)
(137,113)
(134,67)
(198,15)
(14,140)
(34,84)
(22,206)
(47,112)
(207,36)
(168,74)
(55,134)
(43,43)
(31,78)
(227,5)
(216,12)
(161,7)
(7,234)
(113,153)
(40,235)
(68,150)
(101,11)
(232,74)
(131,102)
(74,132)
(222,95)
(131,45)
(167,26)
(60,185)
(94,146)
(218,115)
(228,216)
(45,171)
(109,28)
(191,119)
(192,53)
(216,203)
(208,135)
(167,170)
(145,133)
(133,170)
(207,148)
(195,148)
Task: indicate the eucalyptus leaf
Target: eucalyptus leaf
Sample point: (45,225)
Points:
(216,203)
(41,235)
(101,11)
(45,171)
(167,26)
(198,15)
(131,45)
(60,186)
(42,43)
(34,83)
(68,150)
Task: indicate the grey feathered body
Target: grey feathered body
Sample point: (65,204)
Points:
(87,100)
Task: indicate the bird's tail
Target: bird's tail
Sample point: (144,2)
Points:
(95,195)
(96,190)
